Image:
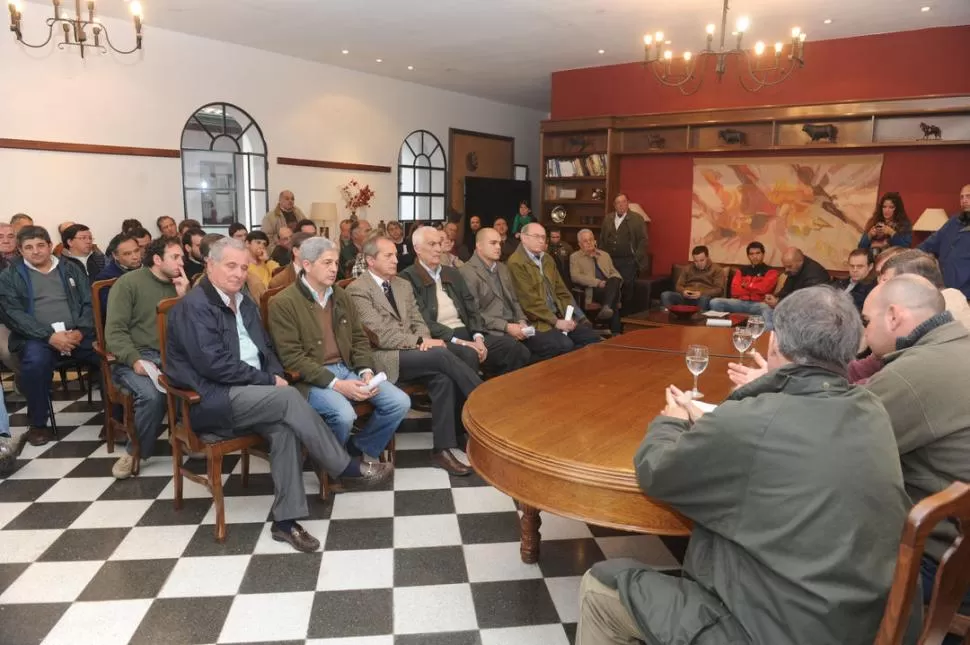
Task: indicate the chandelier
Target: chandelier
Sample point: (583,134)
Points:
(756,70)
(76,28)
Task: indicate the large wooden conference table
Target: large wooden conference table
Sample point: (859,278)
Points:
(560,436)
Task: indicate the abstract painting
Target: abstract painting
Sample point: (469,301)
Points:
(818,204)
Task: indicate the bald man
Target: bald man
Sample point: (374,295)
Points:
(952,245)
(923,387)
(285,214)
(801,271)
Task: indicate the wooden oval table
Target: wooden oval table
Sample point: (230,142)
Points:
(677,338)
(560,436)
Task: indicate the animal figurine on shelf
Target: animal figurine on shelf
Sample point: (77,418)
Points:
(819,132)
(579,142)
(930,130)
(730,136)
(655,142)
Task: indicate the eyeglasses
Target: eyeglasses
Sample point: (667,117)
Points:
(536,235)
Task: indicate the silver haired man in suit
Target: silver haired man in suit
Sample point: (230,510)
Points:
(406,351)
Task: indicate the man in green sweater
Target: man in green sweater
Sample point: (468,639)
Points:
(131,335)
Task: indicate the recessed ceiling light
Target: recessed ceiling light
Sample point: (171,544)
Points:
(827,21)
(924,9)
(380,60)
(344,51)
(601,51)
(410,67)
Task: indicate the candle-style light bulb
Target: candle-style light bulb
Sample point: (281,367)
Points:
(659,36)
(648,40)
(16,7)
(795,31)
(710,29)
(135,8)
(668,55)
(802,36)
(759,48)
(778,47)
(743,23)
(687,56)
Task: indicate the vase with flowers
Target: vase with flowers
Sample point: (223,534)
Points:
(356,196)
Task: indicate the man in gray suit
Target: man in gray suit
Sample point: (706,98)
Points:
(490,284)
(405,350)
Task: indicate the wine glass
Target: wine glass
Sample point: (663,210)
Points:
(742,341)
(756,324)
(697,359)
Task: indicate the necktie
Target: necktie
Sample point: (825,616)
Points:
(390,297)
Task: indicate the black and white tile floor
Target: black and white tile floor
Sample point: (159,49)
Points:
(85,559)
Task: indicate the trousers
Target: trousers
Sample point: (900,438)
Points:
(37,361)
(149,403)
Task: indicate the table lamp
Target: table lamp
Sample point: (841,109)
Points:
(324,215)
(931,220)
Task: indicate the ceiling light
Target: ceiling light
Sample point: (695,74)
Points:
(345,51)
(77,28)
(601,51)
(827,21)
(924,9)
(380,60)
(410,67)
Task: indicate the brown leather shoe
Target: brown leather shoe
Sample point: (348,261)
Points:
(447,462)
(296,537)
(40,436)
(372,476)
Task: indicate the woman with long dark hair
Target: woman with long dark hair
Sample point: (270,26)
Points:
(888,226)
(523,218)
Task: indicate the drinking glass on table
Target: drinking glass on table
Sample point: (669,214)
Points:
(756,325)
(741,336)
(697,359)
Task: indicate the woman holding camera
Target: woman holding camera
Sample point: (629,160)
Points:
(888,226)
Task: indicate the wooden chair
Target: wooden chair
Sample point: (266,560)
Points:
(952,578)
(113,395)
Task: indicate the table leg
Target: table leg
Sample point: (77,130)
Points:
(530,523)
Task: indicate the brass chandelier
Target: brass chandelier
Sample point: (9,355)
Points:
(755,69)
(76,29)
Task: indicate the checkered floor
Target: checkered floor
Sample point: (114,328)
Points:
(85,559)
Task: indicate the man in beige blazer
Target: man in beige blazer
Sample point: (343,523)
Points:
(591,268)
(405,350)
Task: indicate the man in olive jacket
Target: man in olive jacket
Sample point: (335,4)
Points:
(318,334)
(796,495)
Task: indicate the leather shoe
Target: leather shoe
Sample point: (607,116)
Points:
(372,475)
(39,436)
(296,537)
(447,462)
(605,313)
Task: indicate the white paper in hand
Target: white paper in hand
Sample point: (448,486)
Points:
(376,381)
(568,316)
(153,373)
(529,331)
(704,407)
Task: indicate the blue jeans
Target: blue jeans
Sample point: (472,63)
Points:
(390,407)
(671,298)
(4,417)
(736,306)
(149,403)
(37,360)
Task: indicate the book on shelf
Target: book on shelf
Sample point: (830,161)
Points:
(588,166)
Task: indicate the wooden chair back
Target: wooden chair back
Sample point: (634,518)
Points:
(953,575)
(264,304)
(343,284)
(98,310)
(112,394)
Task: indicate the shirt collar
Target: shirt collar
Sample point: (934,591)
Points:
(535,258)
(434,273)
(225,297)
(321,300)
(54,262)
(379,280)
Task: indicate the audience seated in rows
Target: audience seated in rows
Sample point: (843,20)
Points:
(288,275)
(8,255)
(750,287)
(795,533)
(261,268)
(509,244)
(888,226)
(217,346)
(46,304)
(318,334)
(21,220)
(451,313)
(699,283)
(192,255)
(467,249)
(188,224)
(352,262)
(861,279)
(544,296)
(405,350)
(126,255)
(405,250)
(237,231)
(79,248)
(282,254)
(167,227)
(345,225)
(951,244)
(307,226)
(593,269)
(131,335)
(286,213)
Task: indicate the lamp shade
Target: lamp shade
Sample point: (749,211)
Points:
(323,212)
(638,209)
(931,220)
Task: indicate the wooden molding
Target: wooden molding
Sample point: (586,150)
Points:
(331,165)
(87,148)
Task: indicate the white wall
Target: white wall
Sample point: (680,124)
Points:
(306,110)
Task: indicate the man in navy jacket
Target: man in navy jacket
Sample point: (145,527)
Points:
(952,245)
(217,346)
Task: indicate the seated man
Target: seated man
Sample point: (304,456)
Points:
(345,240)
(261,268)
(352,263)
(509,244)
(405,250)
(46,304)
(166,226)
(801,271)
(131,334)
(750,286)
(927,364)
(192,258)
(861,278)
(405,350)
(125,255)
(916,262)
(19,221)
(8,245)
(79,247)
(318,335)
(287,276)
(592,268)
(701,281)
(542,293)
(490,284)
(794,488)
(307,226)
(283,254)
(450,311)
(143,237)
(238,231)
(217,347)
(468,247)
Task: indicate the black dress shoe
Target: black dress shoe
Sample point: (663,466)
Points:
(296,537)
(447,462)
(372,475)
(39,436)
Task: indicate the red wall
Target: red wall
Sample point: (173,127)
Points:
(901,65)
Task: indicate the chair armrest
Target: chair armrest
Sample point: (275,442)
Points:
(579,295)
(106,356)
(188,396)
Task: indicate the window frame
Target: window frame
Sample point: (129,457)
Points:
(431,168)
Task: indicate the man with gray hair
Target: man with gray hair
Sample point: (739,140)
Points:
(318,334)
(217,347)
(927,366)
(796,495)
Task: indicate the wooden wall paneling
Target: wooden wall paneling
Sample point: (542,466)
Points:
(332,165)
(87,148)
(476,154)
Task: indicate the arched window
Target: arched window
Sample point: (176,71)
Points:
(223,167)
(421,178)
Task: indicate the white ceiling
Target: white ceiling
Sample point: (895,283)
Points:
(505,50)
